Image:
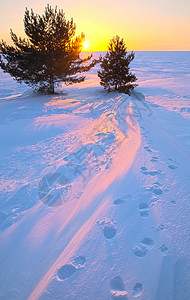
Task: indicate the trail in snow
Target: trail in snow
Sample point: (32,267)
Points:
(95,193)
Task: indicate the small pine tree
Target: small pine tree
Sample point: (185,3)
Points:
(50,54)
(115,75)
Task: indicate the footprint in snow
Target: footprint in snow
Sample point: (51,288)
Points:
(79,261)
(140,251)
(147,149)
(118,201)
(164,249)
(154,159)
(157,191)
(108,228)
(160,228)
(172,167)
(144,209)
(109,232)
(148,243)
(138,289)
(145,171)
(68,270)
(117,289)
(121,200)
(145,245)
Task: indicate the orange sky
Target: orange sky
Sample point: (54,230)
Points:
(144,24)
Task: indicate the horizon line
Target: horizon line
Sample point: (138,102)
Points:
(138,50)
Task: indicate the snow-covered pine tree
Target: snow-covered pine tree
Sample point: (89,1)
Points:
(115,74)
(50,54)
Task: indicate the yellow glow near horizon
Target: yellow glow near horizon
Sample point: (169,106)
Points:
(143,24)
(86,45)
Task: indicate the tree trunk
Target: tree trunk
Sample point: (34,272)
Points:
(51,87)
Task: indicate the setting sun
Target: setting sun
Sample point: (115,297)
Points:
(85,45)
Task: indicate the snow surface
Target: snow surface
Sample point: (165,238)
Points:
(94,194)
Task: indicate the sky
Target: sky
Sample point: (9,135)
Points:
(143,24)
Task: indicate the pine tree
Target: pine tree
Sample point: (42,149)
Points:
(50,54)
(115,75)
